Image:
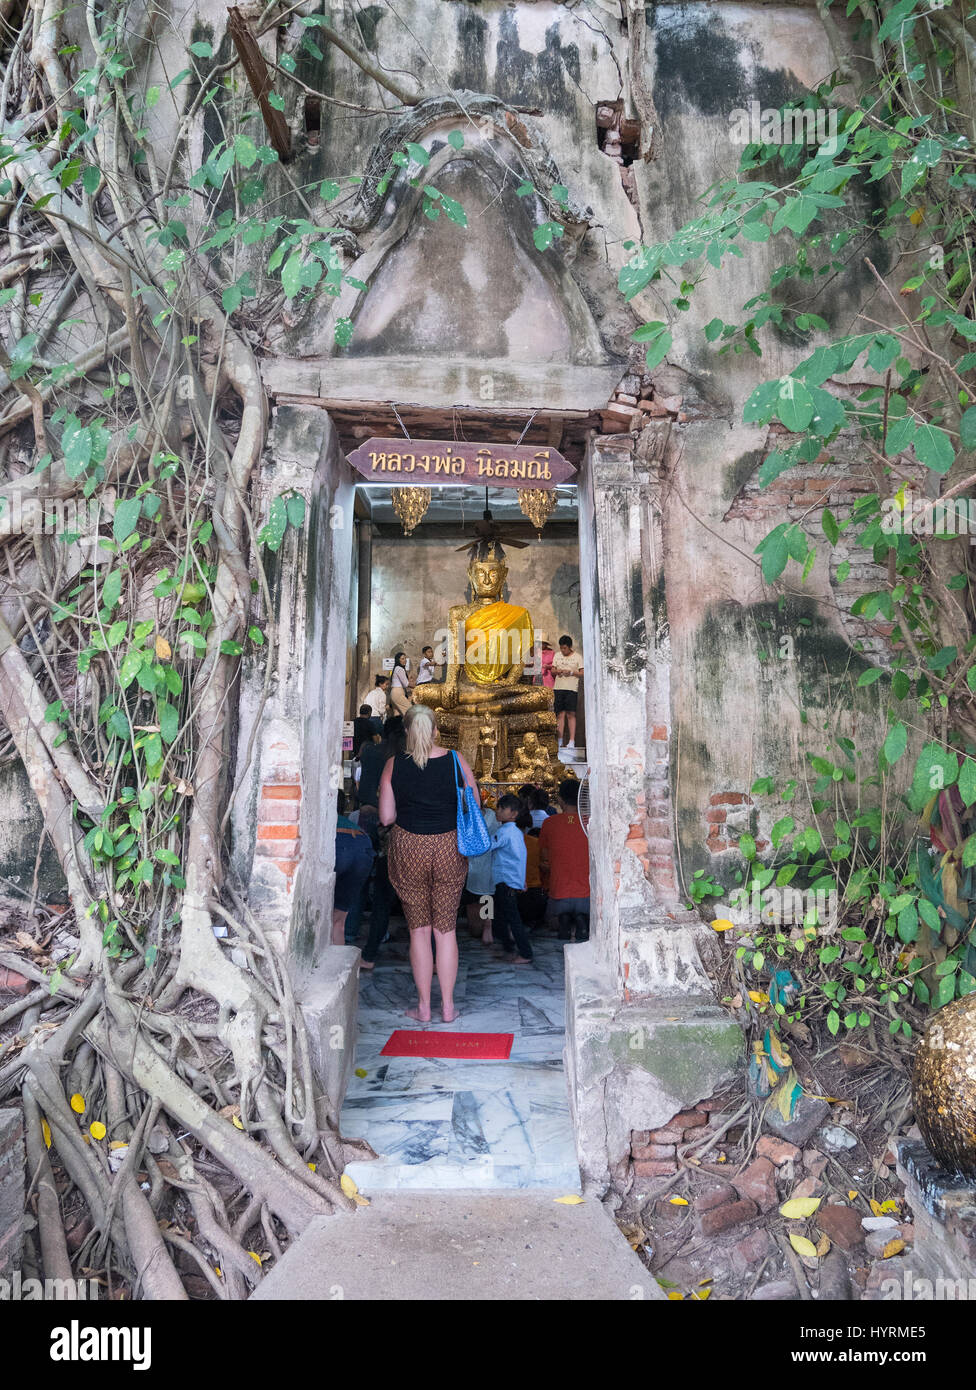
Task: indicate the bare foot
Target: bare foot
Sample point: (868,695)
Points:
(367,965)
(520,960)
(418,1015)
(451,1016)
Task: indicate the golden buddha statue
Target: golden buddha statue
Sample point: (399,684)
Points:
(489,644)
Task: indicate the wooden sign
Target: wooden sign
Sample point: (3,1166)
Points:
(431,461)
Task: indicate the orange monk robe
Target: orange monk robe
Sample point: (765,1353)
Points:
(497,640)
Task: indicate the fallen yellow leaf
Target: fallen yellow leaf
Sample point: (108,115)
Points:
(702,1294)
(678,1201)
(570,1200)
(823,1245)
(756,997)
(77,1103)
(46,1131)
(96,1129)
(798,1207)
(361,1071)
(889,1206)
(348,1186)
(163,649)
(915,218)
(118,1144)
(676,1297)
(802,1246)
(723,1158)
(360,1200)
(313,1166)
(217,1269)
(236,1122)
(894,1247)
(851,1195)
(722,924)
(255,1257)
(876,1207)
(709,1280)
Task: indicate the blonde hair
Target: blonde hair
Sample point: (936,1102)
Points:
(420,728)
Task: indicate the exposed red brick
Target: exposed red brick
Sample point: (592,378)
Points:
(10,979)
(283,792)
(842,1224)
(715,1193)
(659,733)
(715,816)
(654,1168)
(688,1119)
(726,1216)
(659,829)
(277,849)
(758,1181)
(730,799)
(660,1151)
(670,1134)
(287,866)
(778,1151)
(716,845)
(638,1137)
(277,832)
(279,812)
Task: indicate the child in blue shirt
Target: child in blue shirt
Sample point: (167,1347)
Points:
(508,859)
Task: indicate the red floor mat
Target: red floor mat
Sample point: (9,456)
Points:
(485,1047)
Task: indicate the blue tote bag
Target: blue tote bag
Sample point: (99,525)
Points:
(472,833)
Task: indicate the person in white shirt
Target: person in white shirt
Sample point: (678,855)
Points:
(400,696)
(425,671)
(376,699)
(567,667)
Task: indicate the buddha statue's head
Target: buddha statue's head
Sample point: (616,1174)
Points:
(487,572)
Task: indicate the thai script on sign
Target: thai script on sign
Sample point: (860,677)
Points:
(534,469)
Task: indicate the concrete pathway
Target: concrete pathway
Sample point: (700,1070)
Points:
(454,1247)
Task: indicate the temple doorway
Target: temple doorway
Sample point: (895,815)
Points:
(440,1123)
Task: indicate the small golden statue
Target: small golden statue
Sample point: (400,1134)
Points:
(487,744)
(532,763)
(489,645)
(944,1086)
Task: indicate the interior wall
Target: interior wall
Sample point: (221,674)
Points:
(416,581)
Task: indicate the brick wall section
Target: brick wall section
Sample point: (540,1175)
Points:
(656,832)
(279,812)
(730,815)
(11,1190)
(654,1152)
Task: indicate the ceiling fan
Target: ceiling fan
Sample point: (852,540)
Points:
(488,529)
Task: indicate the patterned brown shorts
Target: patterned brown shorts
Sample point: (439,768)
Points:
(428,873)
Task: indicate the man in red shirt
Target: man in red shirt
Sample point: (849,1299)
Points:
(564,864)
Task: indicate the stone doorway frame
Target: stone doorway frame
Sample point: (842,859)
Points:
(644,1036)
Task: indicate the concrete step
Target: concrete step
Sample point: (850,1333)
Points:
(459,1246)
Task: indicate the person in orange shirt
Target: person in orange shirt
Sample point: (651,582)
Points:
(564,865)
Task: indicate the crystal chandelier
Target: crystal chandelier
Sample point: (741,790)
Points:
(537,503)
(410,504)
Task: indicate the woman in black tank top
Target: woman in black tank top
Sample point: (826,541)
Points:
(418,797)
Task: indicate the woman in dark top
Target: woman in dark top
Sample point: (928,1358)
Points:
(372,757)
(418,797)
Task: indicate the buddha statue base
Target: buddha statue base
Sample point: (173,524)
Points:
(463,729)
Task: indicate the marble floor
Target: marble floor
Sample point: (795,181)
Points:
(437,1123)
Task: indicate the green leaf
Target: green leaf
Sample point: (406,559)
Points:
(343,332)
(833,1022)
(658,350)
(273,532)
(545,234)
(291,275)
(908,923)
(455,139)
(795,407)
(868,677)
(169,720)
(418,154)
(126,518)
(934,448)
(201,50)
(967,782)
(112,589)
(747,847)
(935,769)
(896,743)
(830,528)
(929,914)
(775,554)
(295,510)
